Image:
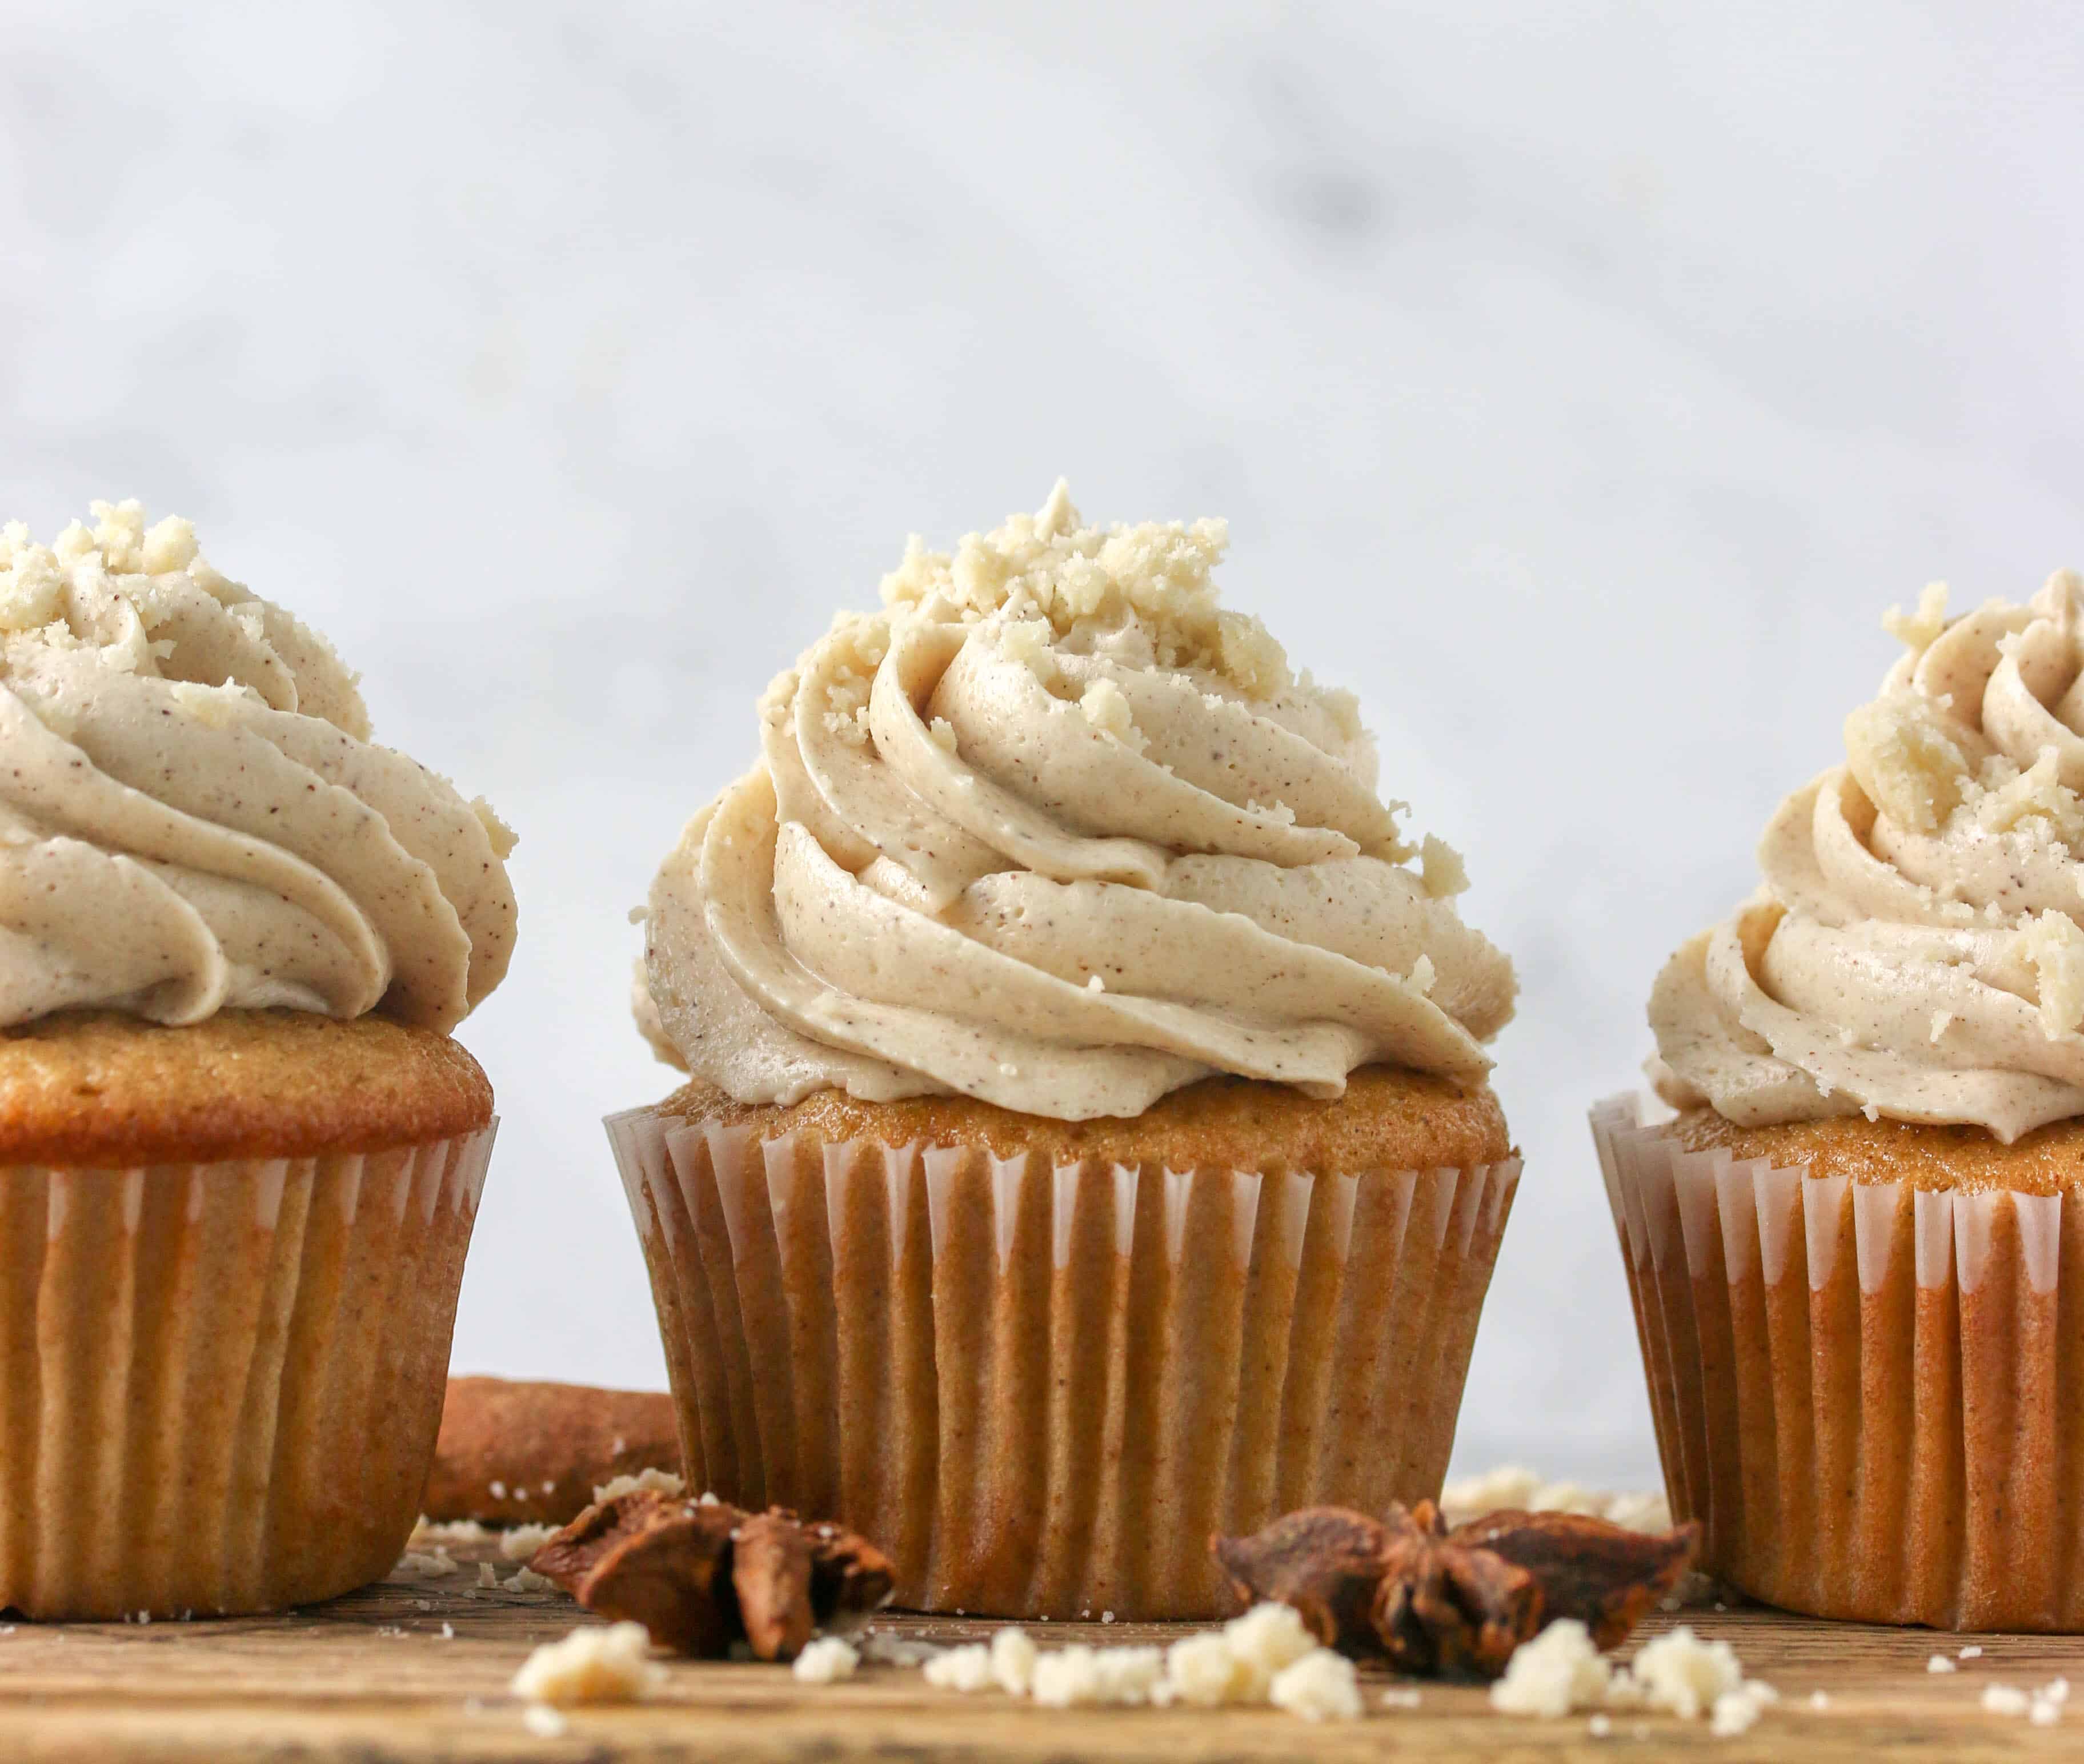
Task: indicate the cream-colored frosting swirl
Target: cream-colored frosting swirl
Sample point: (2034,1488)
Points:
(193,817)
(1055,830)
(1916,952)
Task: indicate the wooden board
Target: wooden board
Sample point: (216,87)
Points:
(373,1678)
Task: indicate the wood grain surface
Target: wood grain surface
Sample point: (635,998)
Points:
(372,1678)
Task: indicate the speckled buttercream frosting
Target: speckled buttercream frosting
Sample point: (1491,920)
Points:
(1055,830)
(194,817)
(1917,952)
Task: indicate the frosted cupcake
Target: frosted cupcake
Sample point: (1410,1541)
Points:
(1855,1253)
(240,1156)
(1088,1146)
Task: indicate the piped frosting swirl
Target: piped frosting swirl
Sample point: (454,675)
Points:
(1056,829)
(192,816)
(1916,951)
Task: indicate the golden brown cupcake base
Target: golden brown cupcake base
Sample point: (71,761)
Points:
(1388,1119)
(1040,1381)
(99,1088)
(1865,1381)
(2049,1160)
(229,1260)
(219,1383)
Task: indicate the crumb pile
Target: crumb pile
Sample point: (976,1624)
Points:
(1561,1672)
(1265,1657)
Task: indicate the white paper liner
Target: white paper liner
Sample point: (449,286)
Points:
(1860,1389)
(1041,1389)
(220,1383)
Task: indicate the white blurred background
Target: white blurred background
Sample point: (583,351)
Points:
(1581,382)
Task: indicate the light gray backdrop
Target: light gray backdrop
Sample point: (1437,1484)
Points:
(1581,382)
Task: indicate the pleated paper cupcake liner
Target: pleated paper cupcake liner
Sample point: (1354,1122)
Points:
(1861,1390)
(220,1383)
(1042,1389)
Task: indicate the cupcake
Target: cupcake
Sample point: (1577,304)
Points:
(1857,1250)
(1087,1145)
(240,1155)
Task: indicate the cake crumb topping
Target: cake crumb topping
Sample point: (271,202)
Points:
(1156,577)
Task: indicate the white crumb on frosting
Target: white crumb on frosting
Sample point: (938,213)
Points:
(1049,567)
(1106,708)
(2034,802)
(502,837)
(1441,868)
(2053,945)
(1027,641)
(1921,629)
(215,705)
(1911,758)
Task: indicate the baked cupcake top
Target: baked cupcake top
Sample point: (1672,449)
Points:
(1055,830)
(193,817)
(1915,951)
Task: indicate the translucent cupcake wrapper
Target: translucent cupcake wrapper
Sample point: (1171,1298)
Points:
(1860,1389)
(1041,1389)
(220,1383)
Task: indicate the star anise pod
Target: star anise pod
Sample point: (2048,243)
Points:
(848,1573)
(770,1571)
(1607,1577)
(1444,1609)
(1326,1562)
(701,1574)
(1439,1602)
